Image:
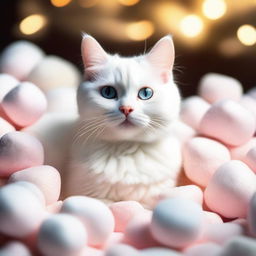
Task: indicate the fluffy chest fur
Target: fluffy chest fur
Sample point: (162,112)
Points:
(124,170)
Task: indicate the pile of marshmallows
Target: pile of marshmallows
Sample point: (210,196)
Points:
(213,215)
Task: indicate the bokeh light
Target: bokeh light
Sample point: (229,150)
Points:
(214,9)
(32,24)
(60,3)
(191,25)
(128,2)
(247,35)
(140,30)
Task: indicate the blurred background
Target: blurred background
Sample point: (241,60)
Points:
(209,35)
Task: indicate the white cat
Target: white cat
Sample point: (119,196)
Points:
(123,148)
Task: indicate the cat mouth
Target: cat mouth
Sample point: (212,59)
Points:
(127,124)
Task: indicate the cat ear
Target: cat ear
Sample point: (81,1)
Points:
(92,53)
(162,54)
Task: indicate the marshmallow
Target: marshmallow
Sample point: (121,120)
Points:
(114,238)
(239,246)
(19,150)
(202,157)
(45,177)
(138,233)
(190,192)
(209,249)
(61,234)
(52,72)
(159,251)
(177,222)
(192,110)
(15,248)
(122,249)
(21,210)
(239,152)
(182,131)
(212,218)
(249,103)
(7,83)
(250,159)
(228,122)
(230,189)
(123,212)
(221,232)
(95,215)
(214,87)
(19,58)
(5,127)
(24,104)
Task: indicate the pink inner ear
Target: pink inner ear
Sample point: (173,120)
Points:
(165,76)
(162,54)
(93,54)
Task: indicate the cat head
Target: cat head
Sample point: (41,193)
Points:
(127,98)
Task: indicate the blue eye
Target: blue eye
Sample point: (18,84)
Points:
(108,92)
(145,93)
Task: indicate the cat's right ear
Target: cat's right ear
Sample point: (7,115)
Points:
(93,55)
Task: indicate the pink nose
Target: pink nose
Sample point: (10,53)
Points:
(126,110)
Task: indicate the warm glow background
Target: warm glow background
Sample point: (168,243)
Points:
(210,35)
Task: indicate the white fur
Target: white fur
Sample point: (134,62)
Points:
(112,162)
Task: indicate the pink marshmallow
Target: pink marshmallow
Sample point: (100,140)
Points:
(239,152)
(230,189)
(249,103)
(212,218)
(61,234)
(177,222)
(228,122)
(95,215)
(182,132)
(122,249)
(45,177)
(5,127)
(7,83)
(214,87)
(19,150)
(114,238)
(90,251)
(250,159)
(21,210)
(123,212)
(209,249)
(190,192)
(54,207)
(159,251)
(24,104)
(19,58)
(192,110)
(221,232)
(202,157)
(137,233)
(15,249)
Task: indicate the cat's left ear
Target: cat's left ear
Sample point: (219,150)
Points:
(161,56)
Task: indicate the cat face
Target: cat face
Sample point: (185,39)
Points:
(127,98)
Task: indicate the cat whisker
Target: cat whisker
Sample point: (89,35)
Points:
(87,128)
